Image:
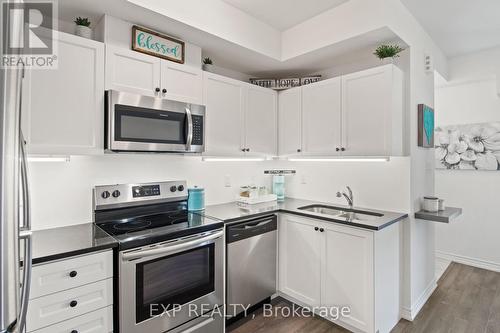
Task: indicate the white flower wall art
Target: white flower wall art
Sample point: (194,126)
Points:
(468,147)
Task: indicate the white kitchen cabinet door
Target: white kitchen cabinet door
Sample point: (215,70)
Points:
(372,104)
(289,121)
(300,247)
(261,121)
(321,117)
(181,82)
(225,100)
(62,109)
(131,71)
(347,274)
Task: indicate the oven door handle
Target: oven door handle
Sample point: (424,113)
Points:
(189,139)
(171,248)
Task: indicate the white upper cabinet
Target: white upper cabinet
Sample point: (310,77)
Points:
(372,112)
(321,117)
(224,100)
(359,114)
(182,83)
(131,71)
(261,121)
(289,121)
(62,109)
(241,118)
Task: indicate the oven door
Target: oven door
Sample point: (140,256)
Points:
(143,123)
(166,285)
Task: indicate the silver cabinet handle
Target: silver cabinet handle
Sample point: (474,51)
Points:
(170,248)
(27,270)
(189,139)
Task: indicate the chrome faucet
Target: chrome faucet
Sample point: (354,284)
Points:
(349,197)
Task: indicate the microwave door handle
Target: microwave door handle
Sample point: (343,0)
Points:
(189,139)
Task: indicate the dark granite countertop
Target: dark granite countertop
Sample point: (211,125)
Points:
(233,212)
(60,243)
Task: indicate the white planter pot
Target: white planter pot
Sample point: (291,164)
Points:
(83,31)
(388,61)
(208,68)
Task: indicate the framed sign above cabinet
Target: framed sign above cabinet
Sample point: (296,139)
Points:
(156,44)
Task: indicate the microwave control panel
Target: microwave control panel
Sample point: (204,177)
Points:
(197,130)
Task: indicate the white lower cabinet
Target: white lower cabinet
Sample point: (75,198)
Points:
(74,294)
(100,321)
(327,265)
(299,259)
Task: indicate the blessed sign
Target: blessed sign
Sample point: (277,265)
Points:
(156,44)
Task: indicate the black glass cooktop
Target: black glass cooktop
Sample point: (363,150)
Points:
(139,223)
(137,226)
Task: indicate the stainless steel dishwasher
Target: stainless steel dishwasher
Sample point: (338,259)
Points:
(251,263)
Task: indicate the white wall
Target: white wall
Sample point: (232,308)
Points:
(61,191)
(470,97)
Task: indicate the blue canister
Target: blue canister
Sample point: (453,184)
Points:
(196,199)
(279,187)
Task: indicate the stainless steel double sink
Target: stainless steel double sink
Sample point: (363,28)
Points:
(342,213)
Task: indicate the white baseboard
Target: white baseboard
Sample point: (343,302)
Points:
(484,264)
(410,314)
(441,265)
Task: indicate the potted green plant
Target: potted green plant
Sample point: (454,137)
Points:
(388,52)
(207,64)
(82,28)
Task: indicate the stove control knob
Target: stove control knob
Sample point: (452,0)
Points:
(173,188)
(105,195)
(180,188)
(116,194)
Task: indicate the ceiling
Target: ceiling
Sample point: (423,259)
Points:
(459,26)
(284,14)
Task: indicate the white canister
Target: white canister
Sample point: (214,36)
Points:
(431,204)
(441,205)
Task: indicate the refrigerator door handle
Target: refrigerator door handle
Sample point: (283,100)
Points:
(27,270)
(25,235)
(26,226)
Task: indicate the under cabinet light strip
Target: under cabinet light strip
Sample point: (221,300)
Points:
(378,159)
(232,159)
(48,158)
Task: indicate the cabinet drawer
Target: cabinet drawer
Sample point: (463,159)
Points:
(66,274)
(51,309)
(100,321)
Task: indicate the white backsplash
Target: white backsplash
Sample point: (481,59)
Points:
(61,191)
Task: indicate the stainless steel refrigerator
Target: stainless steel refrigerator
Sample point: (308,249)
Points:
(15,234)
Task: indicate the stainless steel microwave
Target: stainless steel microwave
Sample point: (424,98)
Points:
(137,123)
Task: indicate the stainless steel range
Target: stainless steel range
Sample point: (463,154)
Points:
(170,261)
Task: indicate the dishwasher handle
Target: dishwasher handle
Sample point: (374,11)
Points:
(252,228)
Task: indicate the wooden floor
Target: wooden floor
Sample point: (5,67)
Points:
(467,300)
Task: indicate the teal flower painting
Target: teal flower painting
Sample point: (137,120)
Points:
(425,126)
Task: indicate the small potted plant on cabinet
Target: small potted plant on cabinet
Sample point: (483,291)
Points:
(82,28)
(207,64)
(387,52)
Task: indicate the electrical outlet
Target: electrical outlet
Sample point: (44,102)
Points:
(227,181)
